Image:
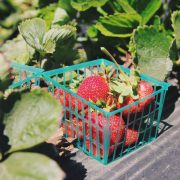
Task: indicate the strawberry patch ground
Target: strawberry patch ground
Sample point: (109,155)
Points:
(157,160)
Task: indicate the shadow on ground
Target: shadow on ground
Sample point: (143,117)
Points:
(72,168)
(169,107)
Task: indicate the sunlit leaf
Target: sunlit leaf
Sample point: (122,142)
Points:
(82,5)
(176,25)
(30,166)
(17,50)
(33,31)
(118,25)
(152,51)
(33,119)
(4,74)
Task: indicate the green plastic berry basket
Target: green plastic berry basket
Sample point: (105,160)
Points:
(95,139)
(91,137)
(24,75)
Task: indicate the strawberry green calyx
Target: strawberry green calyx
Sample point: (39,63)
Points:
(124,85)
(112,58)
(76,83)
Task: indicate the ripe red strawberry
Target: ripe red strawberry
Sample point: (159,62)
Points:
(73,125)
(68,98)
(94,149)
(131,136)
(93,88)
(119,105)
(116,127)
(132,109)
(144,89)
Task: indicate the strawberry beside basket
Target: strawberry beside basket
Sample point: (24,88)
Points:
(106,123)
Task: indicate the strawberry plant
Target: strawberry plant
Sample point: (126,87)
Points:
(99,23)
(156,50)
(29,119)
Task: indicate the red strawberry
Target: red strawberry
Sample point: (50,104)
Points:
(119,105)
(144,89)
(94,133)
(68,98)
(132,109)
(116,124)
(94,149)
(94,88)
(131,136)
(73,125)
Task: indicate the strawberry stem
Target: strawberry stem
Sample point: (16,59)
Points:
(105,51)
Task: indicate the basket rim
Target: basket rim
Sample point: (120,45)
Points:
(26,67)
(148,78)
(47,75)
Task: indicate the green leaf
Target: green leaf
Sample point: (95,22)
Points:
(127,90)
(120,99)
(11,20)
(176,26)
(122,78)
(32,120)
(33,31)
(83,5)
(4,74)
(80,57)
(64,53)
(157,23)
(17,50)
(118,25)
(29,166)
(152,52)
(92,32)
(53,14)
(127,7)
(151,7)
(143,8)
(56,35)
(47,13)
(66,4)
(4,68)
(60,17)
(174,51)
(59,33)
(49,46)
(117,86)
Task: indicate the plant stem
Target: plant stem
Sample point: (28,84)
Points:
(115,62)
(101,11)
(41,57)
(121,50)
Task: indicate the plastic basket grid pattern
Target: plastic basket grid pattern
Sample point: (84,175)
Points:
(24,75)
(95,139)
